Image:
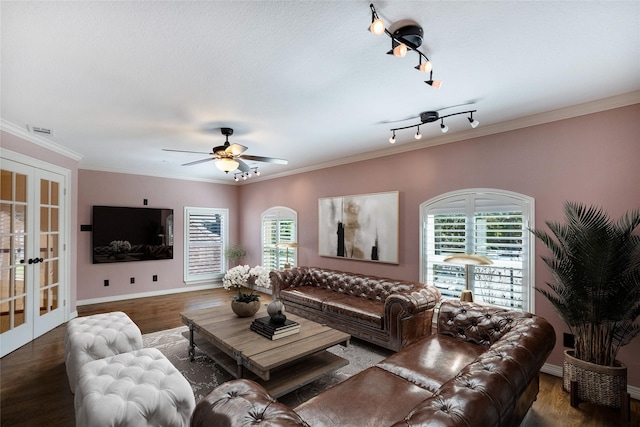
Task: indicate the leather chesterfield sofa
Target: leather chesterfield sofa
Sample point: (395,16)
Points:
(480,369)
(387,312)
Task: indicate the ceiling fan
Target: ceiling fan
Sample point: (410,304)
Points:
(229,157)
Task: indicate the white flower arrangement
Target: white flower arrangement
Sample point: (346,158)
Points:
(242,275)
(120,246)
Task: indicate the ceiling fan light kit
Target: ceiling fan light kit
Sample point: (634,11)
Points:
(432,116)
(404,39)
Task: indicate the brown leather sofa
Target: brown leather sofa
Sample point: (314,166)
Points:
(387,312)
(480,369)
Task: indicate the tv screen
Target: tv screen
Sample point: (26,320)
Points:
(122,234)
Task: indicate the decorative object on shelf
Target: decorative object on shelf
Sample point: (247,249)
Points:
(120,248)
(405,38)
(274,307)
(235,253)
(266,327)
(432,116)
(245,309)
(361,227)
(242,276)
(279,318)
(287,245)
(595,263)
(467,260)
(229,157)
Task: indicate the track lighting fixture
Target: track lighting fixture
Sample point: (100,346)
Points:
(404,39)
(246,175)
(474,123)
(432,116)
(392,140)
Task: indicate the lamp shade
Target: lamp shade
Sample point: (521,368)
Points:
(468,259)
(227,165)
(287,245)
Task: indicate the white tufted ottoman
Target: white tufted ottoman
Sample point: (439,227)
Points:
(95,337)
(136,389)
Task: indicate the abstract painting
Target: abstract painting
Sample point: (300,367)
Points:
(362,227)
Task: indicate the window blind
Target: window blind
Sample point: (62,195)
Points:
(205,242)
(493,225)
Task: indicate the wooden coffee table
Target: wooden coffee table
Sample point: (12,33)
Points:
(281,365)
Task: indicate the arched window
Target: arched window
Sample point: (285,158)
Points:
(489,222)
(279,227)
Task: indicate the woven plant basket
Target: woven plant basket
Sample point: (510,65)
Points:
(602,385)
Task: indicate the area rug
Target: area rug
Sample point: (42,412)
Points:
(204,375)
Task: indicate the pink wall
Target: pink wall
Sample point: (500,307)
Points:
(19,145)
(113,189)
(591,159)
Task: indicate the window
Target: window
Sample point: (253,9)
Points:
(205,238)
(279,225)
(493,223)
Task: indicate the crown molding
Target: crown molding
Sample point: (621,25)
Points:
(153,174)
(23,133)
(597,106)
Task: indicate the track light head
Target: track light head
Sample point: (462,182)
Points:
(425,67)
(474,123)
(418,135)
(377,26)
(392,140)
(443,128)
(436,84)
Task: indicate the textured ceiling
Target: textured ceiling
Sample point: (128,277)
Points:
(304,81)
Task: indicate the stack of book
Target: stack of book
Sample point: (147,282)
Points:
(268,329)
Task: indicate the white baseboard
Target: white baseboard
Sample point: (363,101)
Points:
(556,371)
(146,294)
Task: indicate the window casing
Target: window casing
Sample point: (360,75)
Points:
(279,225)
(488,222)
(206,231)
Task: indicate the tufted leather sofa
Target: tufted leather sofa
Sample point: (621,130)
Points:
(387,312)
(480,369)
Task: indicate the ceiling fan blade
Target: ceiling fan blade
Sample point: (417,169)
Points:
(198,161)
(243,166)
(264,159)
(385,122)
(236,149)
(185,151)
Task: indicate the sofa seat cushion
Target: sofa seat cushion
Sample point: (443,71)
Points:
(432,361)
(362,398)
(309,296)
(361,310)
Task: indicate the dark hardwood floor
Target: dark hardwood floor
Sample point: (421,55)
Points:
(34,390)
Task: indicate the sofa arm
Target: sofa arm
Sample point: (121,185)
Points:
(408,315)
(412,301)
(288,278)
(243,402)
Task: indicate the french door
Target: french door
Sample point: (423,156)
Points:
(33,286)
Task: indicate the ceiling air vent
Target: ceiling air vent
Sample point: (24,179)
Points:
(40,131)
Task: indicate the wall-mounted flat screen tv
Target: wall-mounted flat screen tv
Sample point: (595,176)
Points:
(121,234)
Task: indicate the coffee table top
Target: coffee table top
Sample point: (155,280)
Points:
(231,334)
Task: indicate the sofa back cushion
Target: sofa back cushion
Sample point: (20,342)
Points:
(476,323)
(357,285)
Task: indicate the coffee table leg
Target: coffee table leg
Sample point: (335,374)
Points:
(192,345)
(240,370)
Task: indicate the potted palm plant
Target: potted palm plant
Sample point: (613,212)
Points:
(595,263)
